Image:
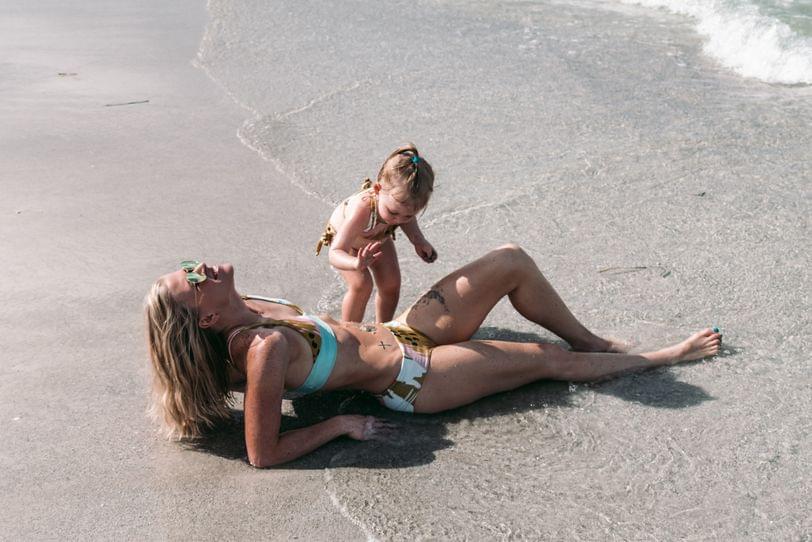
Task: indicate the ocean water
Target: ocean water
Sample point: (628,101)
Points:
(659,189)
(770,40)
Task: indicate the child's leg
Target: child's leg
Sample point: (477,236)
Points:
(454,308)
(359,288)
(462,373)
(386,272)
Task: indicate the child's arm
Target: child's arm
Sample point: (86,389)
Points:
(353,226)
(421,245)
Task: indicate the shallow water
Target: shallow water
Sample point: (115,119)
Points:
(660,191)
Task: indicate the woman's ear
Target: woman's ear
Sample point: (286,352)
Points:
(208,320)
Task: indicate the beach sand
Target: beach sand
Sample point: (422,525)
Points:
(95,199)
(659,193)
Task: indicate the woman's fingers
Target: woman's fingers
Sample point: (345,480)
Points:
(378,429)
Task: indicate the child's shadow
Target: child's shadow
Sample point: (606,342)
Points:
(417,437)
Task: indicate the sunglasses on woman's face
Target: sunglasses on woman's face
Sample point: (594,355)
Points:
(191,267)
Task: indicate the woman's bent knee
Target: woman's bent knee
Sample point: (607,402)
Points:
(512,258)
(512,252)
(511,248)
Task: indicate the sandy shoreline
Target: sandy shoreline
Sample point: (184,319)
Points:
(95,199)
(648,229)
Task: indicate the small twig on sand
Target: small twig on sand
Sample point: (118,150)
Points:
(664,272)
(128,103)
(619,270)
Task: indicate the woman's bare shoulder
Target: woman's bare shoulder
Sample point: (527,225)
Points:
(255,343)
(267,355)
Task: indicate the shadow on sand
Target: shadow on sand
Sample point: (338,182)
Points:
(418,437)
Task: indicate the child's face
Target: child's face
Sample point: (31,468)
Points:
(394,211)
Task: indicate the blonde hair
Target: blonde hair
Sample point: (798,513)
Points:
(408,175)
(190,388)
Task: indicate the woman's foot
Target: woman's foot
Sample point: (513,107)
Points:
(700,345)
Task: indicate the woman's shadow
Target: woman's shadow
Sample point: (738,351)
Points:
(416,438)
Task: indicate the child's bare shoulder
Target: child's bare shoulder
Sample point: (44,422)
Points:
(358,205)
(353,212)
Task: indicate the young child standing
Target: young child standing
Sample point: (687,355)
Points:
(361,233)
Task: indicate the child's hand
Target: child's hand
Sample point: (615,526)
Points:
(367,255)
(426,251)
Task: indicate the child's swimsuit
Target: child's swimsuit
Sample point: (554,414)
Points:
(414,347)
(330,231)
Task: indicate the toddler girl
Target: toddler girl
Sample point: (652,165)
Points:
(361,233)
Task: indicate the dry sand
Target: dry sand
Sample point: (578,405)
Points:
(95,199)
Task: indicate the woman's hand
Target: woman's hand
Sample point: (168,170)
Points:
(425,251)
(367,255)
(366,427)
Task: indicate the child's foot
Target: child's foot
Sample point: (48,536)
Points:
(700,345)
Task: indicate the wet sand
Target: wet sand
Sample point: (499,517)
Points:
(659,193)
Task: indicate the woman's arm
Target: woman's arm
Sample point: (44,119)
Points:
(266,365)
(353,226)
(421,245)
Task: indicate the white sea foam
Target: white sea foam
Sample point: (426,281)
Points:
(743,38)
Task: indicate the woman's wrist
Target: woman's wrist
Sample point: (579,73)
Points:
(343,424)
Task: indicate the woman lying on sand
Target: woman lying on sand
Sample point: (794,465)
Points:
(206,340)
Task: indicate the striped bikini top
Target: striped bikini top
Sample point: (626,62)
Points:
(304,325)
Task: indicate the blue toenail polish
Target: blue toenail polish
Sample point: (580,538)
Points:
(715,329)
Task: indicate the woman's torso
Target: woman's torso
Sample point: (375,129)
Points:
(367,357)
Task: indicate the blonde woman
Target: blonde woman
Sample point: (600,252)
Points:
(206,340)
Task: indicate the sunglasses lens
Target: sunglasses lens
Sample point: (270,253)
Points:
(195,278)
(189,265)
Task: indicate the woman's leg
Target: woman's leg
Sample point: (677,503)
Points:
(386,272)
(359,288)
(462,373)
(454,308)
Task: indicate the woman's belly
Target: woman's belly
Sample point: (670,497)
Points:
(368,356)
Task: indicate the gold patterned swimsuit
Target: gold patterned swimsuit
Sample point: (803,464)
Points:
(318,334)
(416,350)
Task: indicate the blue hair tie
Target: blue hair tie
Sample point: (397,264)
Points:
(415,159)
